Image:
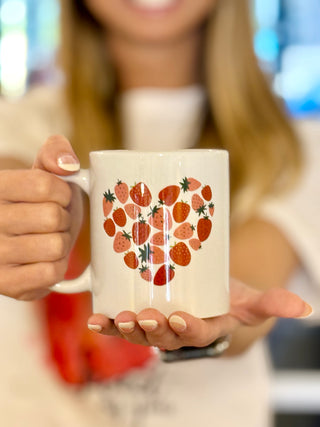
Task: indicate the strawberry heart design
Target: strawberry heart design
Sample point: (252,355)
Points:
(157,233)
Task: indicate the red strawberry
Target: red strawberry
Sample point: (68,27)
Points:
(109,227)
(180,211)
(131,260)
(121,242)
(196,202)
(146,273)
(159,239)
(169,195)
(189,184)
(180,254)
(152,254)
(122,191)
(211,208)
(204,228)
(206,193)
(141,195)
(184,231)
(107,203)
(132,210)
(164,275)
(195,244)
(140,231)
(160,218)
(119,217)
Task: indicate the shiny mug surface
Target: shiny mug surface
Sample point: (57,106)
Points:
(159,232)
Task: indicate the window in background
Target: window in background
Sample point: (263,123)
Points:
(28,40)
(287,43)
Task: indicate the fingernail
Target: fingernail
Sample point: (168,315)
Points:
(148,325)
(307,312)
(126,326)
(68,163)
(94,328)
(177,323)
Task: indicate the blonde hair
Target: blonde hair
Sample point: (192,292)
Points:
(244,117)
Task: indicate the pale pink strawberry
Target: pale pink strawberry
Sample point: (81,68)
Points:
(122,242)
(211,209)
(189,184)
(122,191)
(159,238)
(107,202)
(195,244)
(196,202)
(146,273)
(184,231)
(160,218)
(132,210)
(152,254)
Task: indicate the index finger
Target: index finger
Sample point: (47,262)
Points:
(33,186)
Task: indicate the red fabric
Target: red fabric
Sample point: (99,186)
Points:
(80,355)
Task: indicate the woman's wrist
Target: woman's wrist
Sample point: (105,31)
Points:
(215,349)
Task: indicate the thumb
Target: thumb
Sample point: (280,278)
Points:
(57,156)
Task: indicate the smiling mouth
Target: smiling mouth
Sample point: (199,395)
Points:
(153,5)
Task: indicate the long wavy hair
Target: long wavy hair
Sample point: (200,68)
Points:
(243,116)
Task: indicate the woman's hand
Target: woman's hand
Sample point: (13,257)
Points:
(37,225)
(248,306)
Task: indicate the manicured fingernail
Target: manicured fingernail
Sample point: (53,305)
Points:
(177,323)
(94,328)
(307,312)
(148,325)
(68,163)
(126,326)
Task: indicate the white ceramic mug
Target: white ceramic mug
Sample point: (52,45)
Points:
(159,232)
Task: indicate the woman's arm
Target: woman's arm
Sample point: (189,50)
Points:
(261,257)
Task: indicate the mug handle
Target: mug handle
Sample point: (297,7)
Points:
(83,282)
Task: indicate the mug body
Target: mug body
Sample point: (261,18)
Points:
(160,231)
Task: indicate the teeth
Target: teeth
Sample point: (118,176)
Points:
(153,4)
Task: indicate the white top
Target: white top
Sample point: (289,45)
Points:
(229,391)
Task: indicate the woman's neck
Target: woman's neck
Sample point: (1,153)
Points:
(175,64)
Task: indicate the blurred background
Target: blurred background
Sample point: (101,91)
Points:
(287,44)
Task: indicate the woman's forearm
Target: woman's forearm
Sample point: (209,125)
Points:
(261,257)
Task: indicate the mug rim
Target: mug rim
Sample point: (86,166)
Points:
(158,153)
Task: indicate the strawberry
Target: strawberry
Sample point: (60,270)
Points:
(146,273)
(180,211)
(131,260)
(195,244)
(206,193)
(196,202)
(184,231)
(180,254)
(211,209)
(121,242)
(132,210)
(204,228)
(164,275)
(189,184)
(152,254)
(122,191)
(140,231)
(159,239)
(109,227)
(107,203)
(119,217)
(141,195)
(160,218)
(168,195)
